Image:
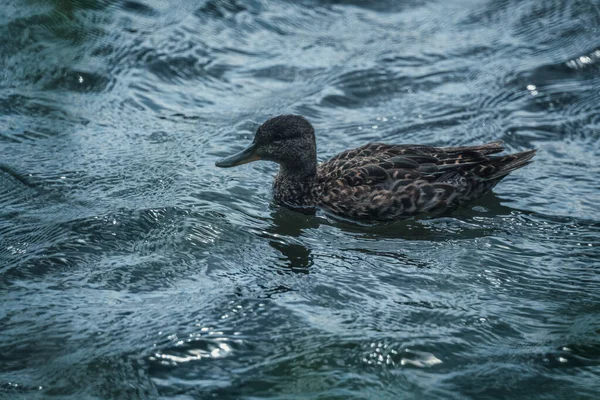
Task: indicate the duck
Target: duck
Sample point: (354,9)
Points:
(376,182)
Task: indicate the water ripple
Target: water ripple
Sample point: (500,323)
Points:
(131,268)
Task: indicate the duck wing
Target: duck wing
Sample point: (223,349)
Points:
(383,182)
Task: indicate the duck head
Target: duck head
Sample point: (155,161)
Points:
(288,140)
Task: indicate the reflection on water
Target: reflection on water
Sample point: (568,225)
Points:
(130,267)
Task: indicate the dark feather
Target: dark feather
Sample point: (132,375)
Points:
(376,181)
(382,182)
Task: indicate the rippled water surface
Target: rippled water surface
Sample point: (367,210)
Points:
(130,267)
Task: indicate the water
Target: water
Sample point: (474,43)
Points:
(131,267)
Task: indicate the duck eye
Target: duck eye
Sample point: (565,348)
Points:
(277,139)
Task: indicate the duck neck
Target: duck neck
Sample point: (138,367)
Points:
(294,183)
(299,171)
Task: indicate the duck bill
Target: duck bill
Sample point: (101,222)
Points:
(245,156)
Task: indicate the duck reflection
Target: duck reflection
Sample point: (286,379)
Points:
(283,233)
(287,227)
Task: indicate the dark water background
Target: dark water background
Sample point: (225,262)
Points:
(130,267)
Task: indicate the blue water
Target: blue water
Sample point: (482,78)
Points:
(131,267)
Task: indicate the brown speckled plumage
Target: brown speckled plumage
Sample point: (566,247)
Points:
(376,182)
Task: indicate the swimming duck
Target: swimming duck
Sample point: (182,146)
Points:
(374,182)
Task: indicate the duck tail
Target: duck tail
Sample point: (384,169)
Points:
(504,165)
